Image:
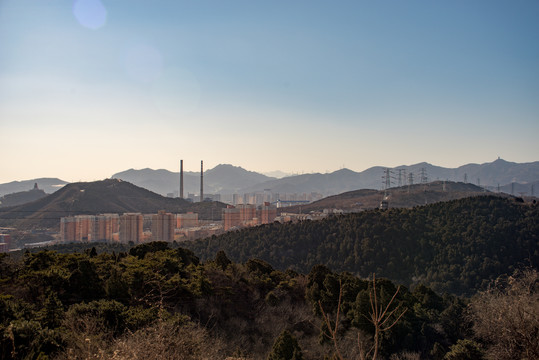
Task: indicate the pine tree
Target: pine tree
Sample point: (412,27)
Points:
(286,347)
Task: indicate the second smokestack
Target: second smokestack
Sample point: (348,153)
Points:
(201,180)
(181,179)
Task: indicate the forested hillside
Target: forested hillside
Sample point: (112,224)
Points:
(456,246)
(155,302)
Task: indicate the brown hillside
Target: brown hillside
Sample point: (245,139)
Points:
(419,194)
(106,196)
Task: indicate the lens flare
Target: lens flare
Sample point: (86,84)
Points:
(91,14)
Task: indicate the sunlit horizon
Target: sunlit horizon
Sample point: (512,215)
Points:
(90,88)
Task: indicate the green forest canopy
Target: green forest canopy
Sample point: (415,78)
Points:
(456,246)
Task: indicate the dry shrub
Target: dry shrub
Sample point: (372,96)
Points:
(162,340)
(87,337)
(506,318)
(168,342)
(405,356)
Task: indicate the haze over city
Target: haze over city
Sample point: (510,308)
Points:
(89,88)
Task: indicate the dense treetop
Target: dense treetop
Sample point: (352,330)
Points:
(91,305)
(456,246)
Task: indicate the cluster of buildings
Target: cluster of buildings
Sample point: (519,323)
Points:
(266,196)
(163,226)
(257,198)
(135,227)
(246,210)
(248,215)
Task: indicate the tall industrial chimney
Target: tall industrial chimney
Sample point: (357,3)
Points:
(181,179)
(201,181)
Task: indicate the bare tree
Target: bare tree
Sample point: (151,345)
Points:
(382,318)
(333,329)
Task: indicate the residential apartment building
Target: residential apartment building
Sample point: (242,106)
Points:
(106,227)
(76,228)
(5,241)
(163,225)
(267,213)
(89,227)
(131,228)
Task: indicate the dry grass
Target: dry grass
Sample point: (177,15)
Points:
(162,340)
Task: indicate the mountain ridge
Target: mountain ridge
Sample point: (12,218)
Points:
(230,179)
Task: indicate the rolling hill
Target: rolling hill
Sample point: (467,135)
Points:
(49,185)
(21,197)
(107,196)
(399,197)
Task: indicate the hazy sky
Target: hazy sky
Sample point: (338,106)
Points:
(89,88)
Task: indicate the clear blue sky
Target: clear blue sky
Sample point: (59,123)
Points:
(89,88)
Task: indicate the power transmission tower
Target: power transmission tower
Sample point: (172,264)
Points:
(410,181)
(401,177)
(465,178)
(423,176)
(387,179)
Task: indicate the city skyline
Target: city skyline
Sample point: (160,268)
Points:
(89,88)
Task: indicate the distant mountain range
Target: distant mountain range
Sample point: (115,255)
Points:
(228,179)
(222,179)
(106,196)
(511,177)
